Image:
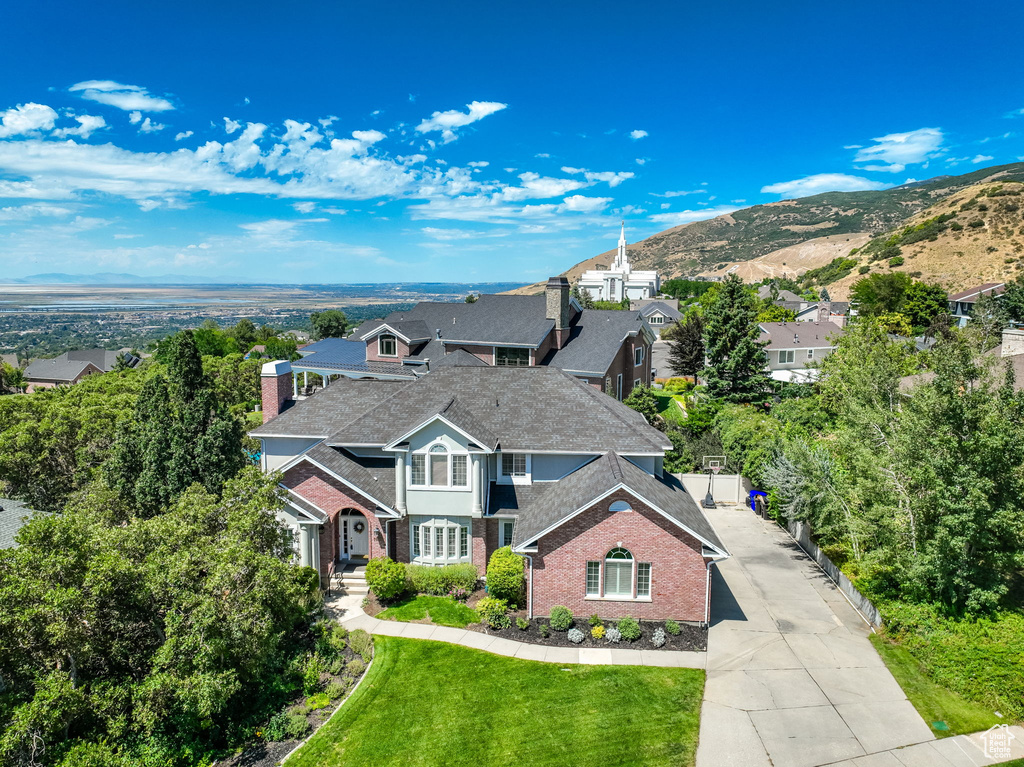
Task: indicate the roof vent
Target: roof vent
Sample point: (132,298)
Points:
(796,339)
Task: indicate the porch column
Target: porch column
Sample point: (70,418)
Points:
(305,378)
(400,505)
(304,553)
(295,386)
(478,484)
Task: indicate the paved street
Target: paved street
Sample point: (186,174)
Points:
(792,679)
(659,359)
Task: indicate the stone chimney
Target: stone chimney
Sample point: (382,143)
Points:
(824,311)
(1013,342)
(276,387)
(557,294)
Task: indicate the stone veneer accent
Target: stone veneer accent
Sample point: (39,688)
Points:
(678,569)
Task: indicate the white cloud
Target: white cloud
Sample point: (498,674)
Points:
(583,204)
(666,205)
(640,160)
(26,212)
(148,126)
(893,152)
(126,97)
(982,158)
(448,122)
(304,207)
(535,186)
(636,135)
(477,164)
(26,118)
(822,182)
(230,126)
(680,193)
(542,156)
(183,135)
(738,201)
(1015,113)
(87,125)
(612,178)
(689,216)
(135,117)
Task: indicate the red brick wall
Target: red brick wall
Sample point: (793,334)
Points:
(678,574)
(371,350)
(485,353)
(402,540)
(537,355)
(274,391)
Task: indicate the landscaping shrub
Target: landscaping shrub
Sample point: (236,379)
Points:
(561,618)
(311,672)
(896,261)
(296,726)
(594,620)
(575,636)
(494,612)
(629,629)
(360,642)
(658,639)
(522,624)
(355,668)
(386,578)
(318,701)
(545,631)
(442,581)
(505,575)
(597,631)
(613,635)
(336,689)
(275,729)
(672,627)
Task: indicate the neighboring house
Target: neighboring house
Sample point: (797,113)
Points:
(1011,348)
(961,305)
(608,349)
(764,292)
(835,312)
(792,346)
(256,351)
(71,367)
(659,313)
(466,459)
(10,359)
(13,515)
(620,281)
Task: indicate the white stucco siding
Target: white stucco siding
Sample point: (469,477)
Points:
(548,468)
(648,463)
(432,500)
(277,451)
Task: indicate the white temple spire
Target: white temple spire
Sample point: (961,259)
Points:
(621,259)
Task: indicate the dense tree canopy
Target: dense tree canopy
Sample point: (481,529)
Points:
(735,369)
(686,347)
(330,323)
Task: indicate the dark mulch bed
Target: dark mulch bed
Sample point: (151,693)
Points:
(689,638)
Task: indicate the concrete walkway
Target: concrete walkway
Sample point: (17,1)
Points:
(792,679)
(347,609)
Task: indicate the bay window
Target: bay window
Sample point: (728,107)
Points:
(440,540)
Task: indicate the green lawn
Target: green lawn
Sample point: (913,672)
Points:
(667,406)
(444,611)
(933,702)
(430,703)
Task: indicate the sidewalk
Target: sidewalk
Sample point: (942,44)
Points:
(348,611)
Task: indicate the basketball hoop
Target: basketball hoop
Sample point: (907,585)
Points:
(715,468)
(714,464)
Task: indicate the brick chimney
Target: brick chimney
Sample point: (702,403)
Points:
(1013,342)
(557,294)
(276,387)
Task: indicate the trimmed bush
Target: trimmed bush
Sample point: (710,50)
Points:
(442,581)
(336,689)
(629,628)
(561,618)
(672,627)
(545,630)
(597,631)
(594,620)
(658,639)
(360,642)
(505,576)
(494,612)
(296,726)
(318,701)
(355,668)
(522,624)
(314,667)
(386,578)
(575,636)
(613,635)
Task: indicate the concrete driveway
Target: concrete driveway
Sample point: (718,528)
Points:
(792,680)
(659,359)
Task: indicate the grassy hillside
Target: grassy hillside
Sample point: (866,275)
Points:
(793,236)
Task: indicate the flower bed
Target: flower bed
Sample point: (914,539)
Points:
(689,637)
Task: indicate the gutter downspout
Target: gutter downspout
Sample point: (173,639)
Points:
(707,595)
(529,603)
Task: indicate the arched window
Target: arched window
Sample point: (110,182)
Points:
(618,573)
(387,346)
(620,506)
(438,465)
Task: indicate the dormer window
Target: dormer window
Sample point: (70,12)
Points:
(387,346)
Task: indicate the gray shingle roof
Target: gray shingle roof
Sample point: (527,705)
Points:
(297,500)
(13,515)
(799,335)
(58,369)
(457,358)
(507,500)
(660,307)
(346,354)
(595,340)
(598,477)
(492,319)
(373,477)
(412,329)
(525,409)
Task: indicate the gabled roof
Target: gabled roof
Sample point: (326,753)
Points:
(525,409)
(101,358)
(972,294)
(373,477)
(799,335)
(409,330)
(581,489)
(13,515)
(595,341)
(765,292)
(59,369)
(457,358)
(660,307)
(296,500)
(346,354)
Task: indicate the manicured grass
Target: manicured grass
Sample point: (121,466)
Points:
(933,702)
(444,611)
(667,406)
(430,703)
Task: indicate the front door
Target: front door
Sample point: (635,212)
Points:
(354,537)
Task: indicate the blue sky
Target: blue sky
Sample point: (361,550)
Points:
(466,141)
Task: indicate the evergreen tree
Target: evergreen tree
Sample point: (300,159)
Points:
(736,359)
(643,400)
(686,349)
(582,296)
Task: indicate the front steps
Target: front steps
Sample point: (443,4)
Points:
(350,579)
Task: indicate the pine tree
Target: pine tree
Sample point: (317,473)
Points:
(686,349)
(735,369)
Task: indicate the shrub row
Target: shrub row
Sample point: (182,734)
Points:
(388,579)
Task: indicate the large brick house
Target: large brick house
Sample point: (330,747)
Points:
(468,458)
(610,350)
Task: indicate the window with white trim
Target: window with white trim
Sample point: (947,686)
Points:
(786,356)
(440,540)
(415,540)
(419,470)
(656,319)
(511,357)
(810,354)
(623,578)
(618,573)
(438,465)
(643,579)
(460,475)
(593,579)
(513,464)
(505,532)
(387,346)
(638,382)
(638,356)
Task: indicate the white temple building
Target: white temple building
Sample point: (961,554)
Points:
(620,281)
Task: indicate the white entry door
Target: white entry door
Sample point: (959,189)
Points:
(355,537)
